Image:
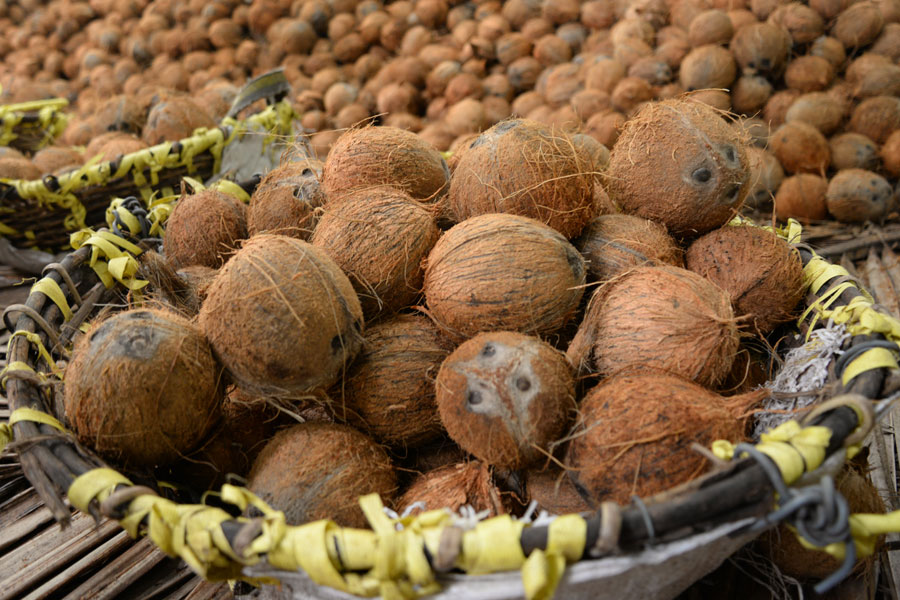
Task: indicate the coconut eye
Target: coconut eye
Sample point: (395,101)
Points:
(701,175)
(336,343)
(488,350)
(474,397)
(523,384)
(730,154)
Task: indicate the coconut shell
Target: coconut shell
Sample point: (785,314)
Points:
(286,200)
(663,317)
(802,22)
(204,229)
(710,66)
(857,195)
(859,25)
(678,162)
(142,388)
(760,272)
(18,168)
(292,295)
(873,75)
(761,49)
(802,197)
(876,117)
(453,487)
(56,159)
(111,146)
(750,94)
(383,223)
(122,113)
(853,151)
(505,397)
(316,471)
(533,285)
(801,148)
(890,154)
(765,179)
(777,107)
(174,118)
(818,109)
(613,244)
(524,168)
(710,27)
(635,430)
(384,156)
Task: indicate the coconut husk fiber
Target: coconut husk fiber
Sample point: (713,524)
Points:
(454,486)
(663,317)
(282,317)
(388,392)
(315,471)
(286,200)
(634,434)
(525,168)
(204,229)
(761,273)
(174,118)
(379,237)
(142,388)
(679,163)
(612,244)
(370,156)
(503,272)
(554,492)
(505,397)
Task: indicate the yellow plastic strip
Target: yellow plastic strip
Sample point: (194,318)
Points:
(232,189)
(96,484)
(25,414)
(876,358)
(492,546)
(35,341)
(51,289)
(16,365)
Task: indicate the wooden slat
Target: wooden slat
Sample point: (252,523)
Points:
(120,573)
(22,518)
(880,284)
(205,590)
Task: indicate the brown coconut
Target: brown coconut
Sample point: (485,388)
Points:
(533,285)
(710,66)
(286,200)
(853,151)
(678,162)
(818,109)
(750,93)
(876,117)
(453,486)
(710,27)
(174,118)
(505,397)
(389,390)
(204,229)
(802,22)
(110,146)
(859,25)
(554,492)
(18,168)
(873,75)
(766,176)
(829,48)
(802,197)
(660,316)
(888,43)
(635,433)
(801,148)
(316,471)
(630,93)
(523,167)
(857,195)
(776,108)
(378,236)
(890,154)
(292,295)
(809,74)
(56,159)
(761,273)
(384,156)
(761,48)
(613,244)
(142,388)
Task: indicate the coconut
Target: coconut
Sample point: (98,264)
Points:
(630,93)
(316,471)
(802,197)
(755,129)
(873,75)
(829,9)
(505,397)
(112,145)
(635,433)
(613,244)
(389,390)
(859,25)
(523,167)
(719,100)
(818,109)
(761,48)
(453,487)
(802,22)
(204,229)
(829,48)
(292,295)
(554,492)
(659,316)
(286,200)
(853,151)
(801,148)
(551,50)
(776,108)
(809,74)
(710,66)
(121,113)
(384,156)
(888,43)
(890,154)
(56,159)
(876,117)
(857,195)
(605,127)
(142,388)
(382,222)
(710,27)
(750,94)
(603,74)
(174,118)
(678,162)
(651,69)
(534,285)
(766,176)
(761,273)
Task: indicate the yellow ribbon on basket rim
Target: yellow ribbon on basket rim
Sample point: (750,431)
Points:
(26,414)
(112,257)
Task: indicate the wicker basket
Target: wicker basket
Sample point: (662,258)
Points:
(696,517)
(29,126)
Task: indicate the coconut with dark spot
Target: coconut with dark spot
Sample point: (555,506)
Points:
(615,243)
(857,195)
(664,317)
(286,200)
(370,156)
(388,391)
(853,151)
(761,49)
(121,113)
(802,197)
(204,229)
(454,486)
(174,118)
(800,148)
(378,236)
(505,397)
(314,471)
(525,168)
(635,432)
(678,162)
(761,273)
(765,179)
(503,272)
(143,388)
(293,296)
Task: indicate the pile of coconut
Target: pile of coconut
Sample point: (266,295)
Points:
(535,326)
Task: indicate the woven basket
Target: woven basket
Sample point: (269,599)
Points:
(224,547)
(29,126)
